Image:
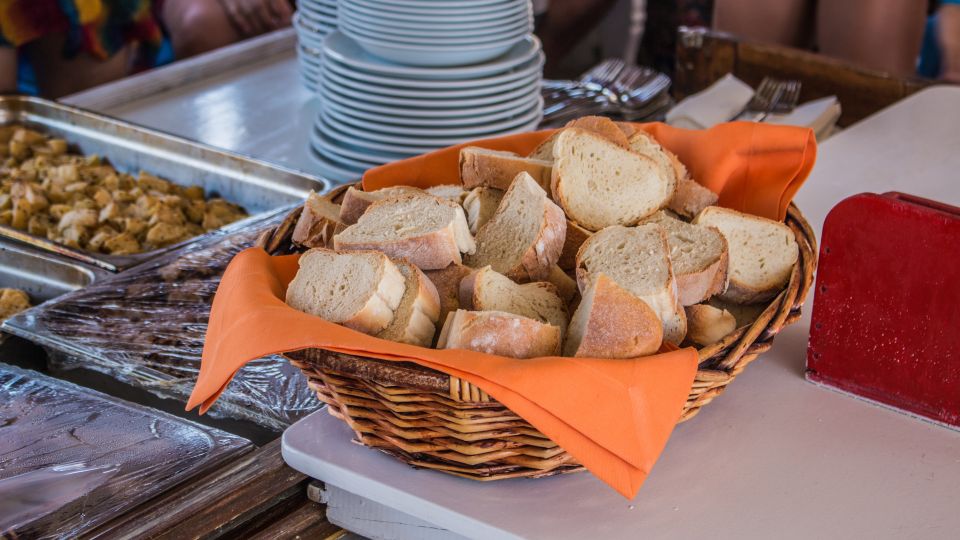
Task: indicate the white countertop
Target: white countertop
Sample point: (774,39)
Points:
(775,456)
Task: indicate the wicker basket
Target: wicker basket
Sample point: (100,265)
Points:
(432,420)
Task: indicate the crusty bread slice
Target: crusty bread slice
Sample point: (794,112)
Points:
(447,281)
(355,202)
(707,325)
(317,223)
(497,169)
(611,322)
(698,255)
(691,198)
(452,192)
(763,253)
(524,237)
(670,167)
(415,319)
(603,127)
(499,333)
(599,184)
(566,285)
(360,290)
(488,290)
(428,231)
(544,150)
(575,237)
(638,259)
(745,314)
(627,128)
(480,204)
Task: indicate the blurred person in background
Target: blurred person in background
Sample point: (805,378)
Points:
(59,47)
(940,55)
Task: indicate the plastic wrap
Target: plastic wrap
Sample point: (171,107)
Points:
(146,327)
(72,459)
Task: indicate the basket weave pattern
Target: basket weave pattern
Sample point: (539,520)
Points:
(432,420)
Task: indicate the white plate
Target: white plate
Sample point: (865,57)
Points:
(409,112)
(463,11)
(507,34)
(305,25)
(429,102)
(346,51)
(427,56)
(406,121)
(475,132)
(436,16)
(424,93)
(346,154)
(426,25)
(534,66)
(335,171)
(436,4)
(318,18)
(318,4)
(405,29)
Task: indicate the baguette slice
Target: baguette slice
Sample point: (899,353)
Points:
(360,290)
(502,334)
(708,325)
(691,198)
(670,167)
(524,237)
(488,290)
(575,237)
(318,222)
(415,320)
(356,202)
(480,204)
(638,259)
(428,231)
(699,258)
(763,253)
(599,184)
(611,322)
(627,128)
(497,169)
(566,285)
(603,127)
(447,281)
(452,192)
(544,150)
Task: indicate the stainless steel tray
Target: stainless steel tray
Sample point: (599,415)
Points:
(256,185)
(41,275)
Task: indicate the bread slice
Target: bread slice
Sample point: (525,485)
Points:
(574,238)
(499,333)
(638,259)
(603,127)
(745,314)
(488,290)
(763,253)
(524,237)
(452,192)
(428,231)
(360,290)
(447,281)
(544,150)
(415,319)
(670,167)
(480,204)
(611,322)
(707,325)
(317,223)
(599,184)
(691,198)
(566,285)
(627,128)
(355,202)
(497,169)
(698,255)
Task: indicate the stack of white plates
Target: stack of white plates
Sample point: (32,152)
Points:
(436,32)
(374,111)
(314,20)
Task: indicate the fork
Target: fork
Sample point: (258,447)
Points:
(772,96)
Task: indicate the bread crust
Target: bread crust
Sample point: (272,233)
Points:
(356,202)
(318,222)
(707,324)
(415,323)
(499,333)
(447,282)
(618,324)
(691,198)
(574,238)
(472,294)
(602,126)
(481,167)
(566,286)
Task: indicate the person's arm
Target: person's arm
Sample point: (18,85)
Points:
(948,36)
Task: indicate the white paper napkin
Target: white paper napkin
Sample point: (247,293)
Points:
(819,114)
(714,105)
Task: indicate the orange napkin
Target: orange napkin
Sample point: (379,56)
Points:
(755,168)
(613,416)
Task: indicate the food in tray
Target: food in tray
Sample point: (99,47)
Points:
(597,244)
(84,203)
(12,301)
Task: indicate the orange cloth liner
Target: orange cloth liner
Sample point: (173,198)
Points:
(614,416)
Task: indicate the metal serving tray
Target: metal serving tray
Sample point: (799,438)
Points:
(40,275)
(256,185)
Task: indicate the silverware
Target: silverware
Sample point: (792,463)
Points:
(773,96)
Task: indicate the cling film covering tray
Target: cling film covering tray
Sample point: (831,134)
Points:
(146,327)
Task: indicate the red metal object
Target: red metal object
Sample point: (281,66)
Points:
(886,311)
